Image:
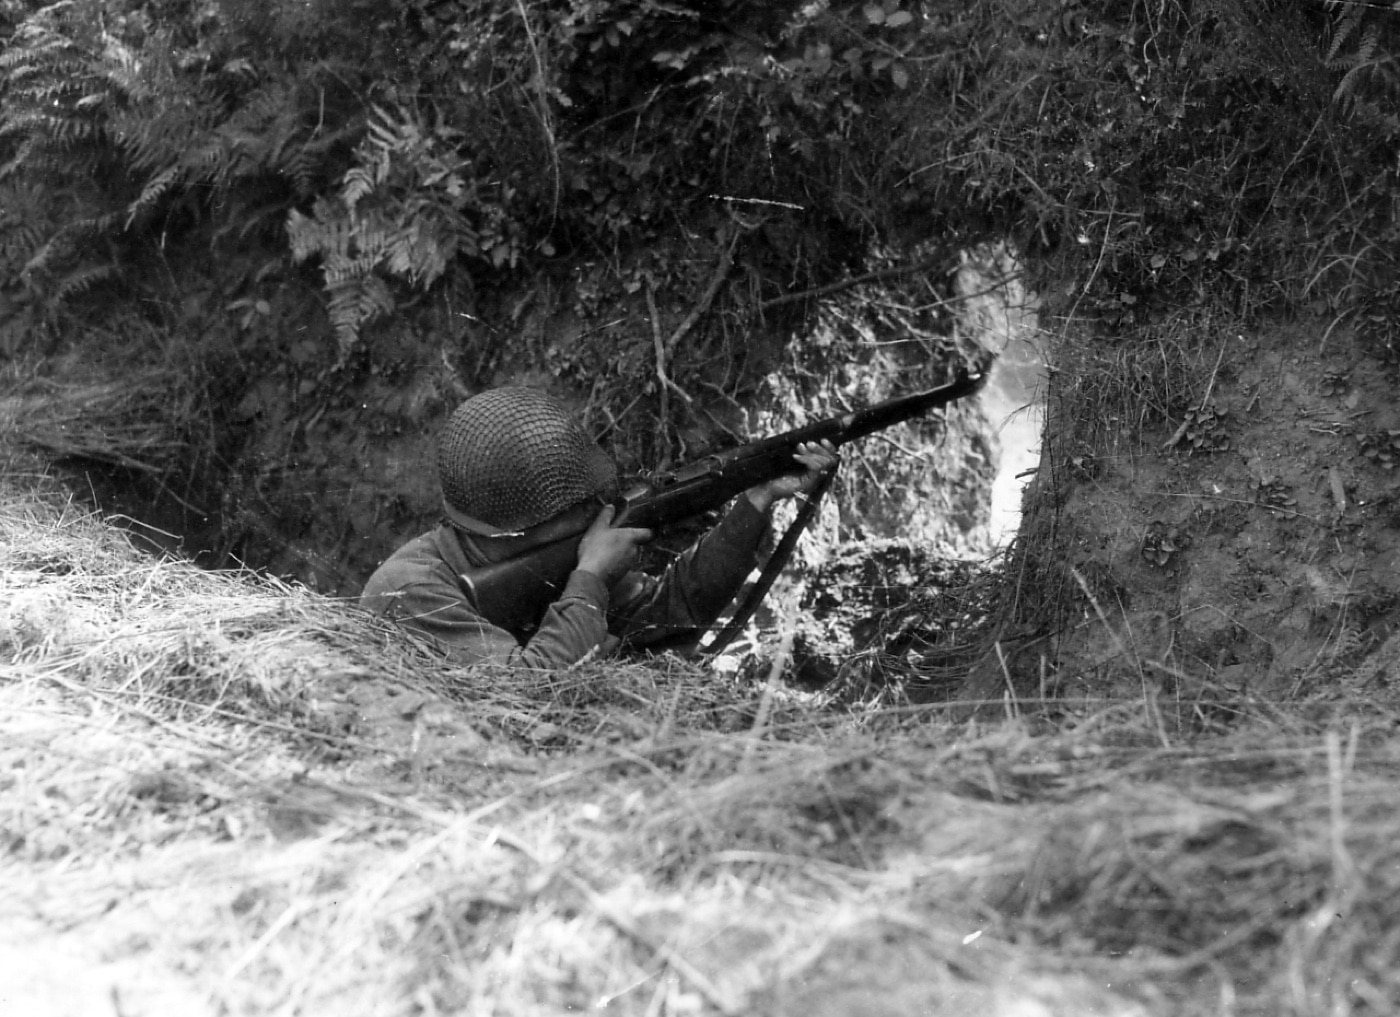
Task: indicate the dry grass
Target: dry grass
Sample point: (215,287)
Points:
(146,420)
(221,795)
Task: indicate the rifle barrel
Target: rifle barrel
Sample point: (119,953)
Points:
(892,411)
(860,423)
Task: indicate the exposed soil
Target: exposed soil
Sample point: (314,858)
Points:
(1248,544)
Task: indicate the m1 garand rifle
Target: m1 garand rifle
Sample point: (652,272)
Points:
(514,593)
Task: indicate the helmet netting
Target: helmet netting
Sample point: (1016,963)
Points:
(514,457)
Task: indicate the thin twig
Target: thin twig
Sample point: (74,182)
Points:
(845,284)
(1210,386)
(721,273)
(770,689)
(663,383)
(1290,513)
(541,106)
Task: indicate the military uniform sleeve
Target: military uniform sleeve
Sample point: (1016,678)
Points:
(432,603)
(692,592)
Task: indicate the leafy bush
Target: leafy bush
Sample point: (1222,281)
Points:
(1140,155)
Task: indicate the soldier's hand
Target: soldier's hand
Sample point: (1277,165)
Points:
(818,457)
(609,551)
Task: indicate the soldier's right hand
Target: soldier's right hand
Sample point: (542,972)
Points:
(609,551)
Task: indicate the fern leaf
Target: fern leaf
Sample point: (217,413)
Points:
(1347,22)
(316,233)
(1369,40)
(354,304)
(359,183)
(390,133)
(81,280)
(154,190)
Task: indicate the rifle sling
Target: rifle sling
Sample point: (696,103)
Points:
(776,562)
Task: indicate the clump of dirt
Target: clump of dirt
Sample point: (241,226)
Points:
(1248,542)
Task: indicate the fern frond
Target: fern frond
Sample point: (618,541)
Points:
(208,159)
(260,107)
(352,305)
(1347,23)
(81,280)
(312,154)
(359,183)
(390,133)
(1366,52)
(19,78)
(343,269)
(59,131)
(155,189)
(155,140)
(301,167)
(325,232)
(1362,67)
(123,70)
(303,232)
(25,152)
(18,242)
(64,241)
(24,222)
(420,252)
(1343,93)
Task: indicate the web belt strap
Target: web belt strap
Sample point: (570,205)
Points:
(775,564)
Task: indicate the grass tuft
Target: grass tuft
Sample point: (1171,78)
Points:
(222,794)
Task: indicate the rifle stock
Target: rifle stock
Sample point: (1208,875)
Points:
(514,593)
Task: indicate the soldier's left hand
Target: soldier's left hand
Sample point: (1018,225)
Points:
(817,457)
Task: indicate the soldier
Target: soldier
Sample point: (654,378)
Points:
(512,458)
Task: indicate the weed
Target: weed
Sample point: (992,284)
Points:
(1162,542)
(1205,429)
(1272,494)
(1380,448)
(1335,383)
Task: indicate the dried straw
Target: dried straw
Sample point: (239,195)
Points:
(143,421)
(225,795)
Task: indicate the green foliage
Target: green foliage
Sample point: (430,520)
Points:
(138,128)
(1140,155)
(1364,41)
(408,206)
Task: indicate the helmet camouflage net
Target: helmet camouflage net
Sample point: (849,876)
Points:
(510,458)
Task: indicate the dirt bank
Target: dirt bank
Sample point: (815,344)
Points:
(1222,514)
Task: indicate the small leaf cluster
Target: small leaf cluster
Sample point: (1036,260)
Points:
(1205,429)
(1162,542)
(1084,465)
(1381,448)
(1272,493)
(1335,383)
(408,207)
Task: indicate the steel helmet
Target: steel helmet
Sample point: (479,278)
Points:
(510,458)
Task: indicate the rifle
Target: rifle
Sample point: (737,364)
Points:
(515,592)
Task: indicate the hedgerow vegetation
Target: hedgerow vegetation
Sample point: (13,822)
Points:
(1141,155)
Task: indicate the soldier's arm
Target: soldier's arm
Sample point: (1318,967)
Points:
(688,597)
(693,591)
(433,605)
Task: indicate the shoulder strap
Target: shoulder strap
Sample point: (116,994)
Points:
(775,564)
